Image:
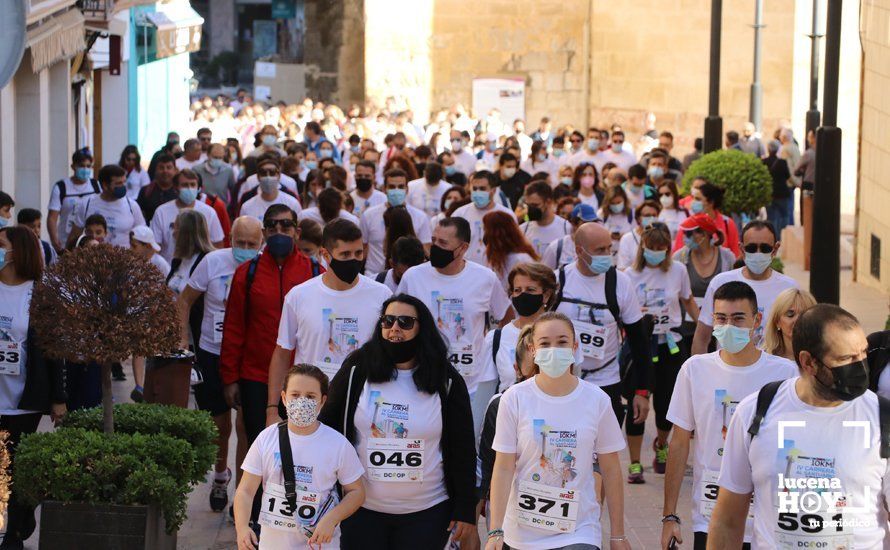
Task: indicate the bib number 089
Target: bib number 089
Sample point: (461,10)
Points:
(588,340)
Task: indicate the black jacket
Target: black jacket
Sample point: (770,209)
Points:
(486,440)
(878,356)
(457,441)
(44,379)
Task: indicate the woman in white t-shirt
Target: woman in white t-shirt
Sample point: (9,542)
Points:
(629,244)
(407,411)
(616,215)
(672,214)
(586,185)
(662,286)
(551,429)
(505,245)
(321,457)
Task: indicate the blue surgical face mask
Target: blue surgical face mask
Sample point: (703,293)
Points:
(216,164)
(481,198)
(554,362)
(656,172)
(451,169)
(312,164)
(269,140)
(542,157)
(600,264)
(593,144)
(395,197)
(119,192)
(188,195)
(732,338)
(617,208)
(242,255)
(558,153)
(654,257)
(646,221)
(326,153)
(565,180)
(3,222)
(697,206)
(3,260)
(83,173)
(616,147)
(354,148)
(689,243)
(758,262)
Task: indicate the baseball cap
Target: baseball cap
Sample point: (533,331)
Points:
(585,213)
(145,235)
(699,221)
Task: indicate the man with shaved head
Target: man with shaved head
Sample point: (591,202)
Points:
(600,300)
(202,308)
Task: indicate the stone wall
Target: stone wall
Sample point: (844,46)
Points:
(334,49)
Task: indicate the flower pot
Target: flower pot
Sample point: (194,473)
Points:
(168,381)
(83,526)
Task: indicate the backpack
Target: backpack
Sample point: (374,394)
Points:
(251,275)
(63,189)
(768,392)
(381,277)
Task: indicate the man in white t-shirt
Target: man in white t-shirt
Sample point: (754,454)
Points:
(464,160)
(271,191)
(252,181)
(462,296)
(191,155)
(811,453)
(374,228)
(760,244)
(707,391)
(187,186)
(426,193)
(121,213)
(543,226)
(588,154)
(619,155)
(482,191)
(328,317)
(364,196)
(64,196)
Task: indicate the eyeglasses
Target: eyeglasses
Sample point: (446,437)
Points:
(406,322)
(762,247)
(283,224)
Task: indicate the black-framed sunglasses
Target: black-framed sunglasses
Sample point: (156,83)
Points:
(690,233)
(406,322)
(762,247)
(283,224)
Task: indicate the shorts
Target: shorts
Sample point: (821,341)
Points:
(209,393)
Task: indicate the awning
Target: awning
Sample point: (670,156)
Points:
(179,29)
(55,39)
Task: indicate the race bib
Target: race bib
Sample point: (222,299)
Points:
(661,319)
(462,357)
(277,513)
(706,494)
(10,357)
(545,507)
(812,530)
(218,326)
(592,338)
(394,459)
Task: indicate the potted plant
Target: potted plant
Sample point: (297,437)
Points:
(744,178)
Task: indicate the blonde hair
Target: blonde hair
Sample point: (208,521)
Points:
(522,351)
(773,342)
(552,316)
(656,234)
(192,236)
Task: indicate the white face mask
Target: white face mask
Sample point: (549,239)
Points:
(302,411)
(554,362)
(509,172)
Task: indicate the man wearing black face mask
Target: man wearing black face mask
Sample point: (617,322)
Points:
(328,317)
(364,195)
(810,449)
(542,227)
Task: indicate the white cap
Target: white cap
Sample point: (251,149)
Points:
(145,235)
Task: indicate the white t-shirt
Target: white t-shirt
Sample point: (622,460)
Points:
(540,236)
(597,329)
(426,197)
(659,294)
(253,181)
(556,257)
(766,291)
(121,215)
(182,163)
(181,276)
(313,214)
(459,304)
(672,218)
(159,262)
(165,215)
(589,200)
(705,397)
(73,194)
(257,205)
(513,259)
(465,162)
(624,160)
(395,422)
(213,277)
(362,205)
(585,157)
(825,447)
(15,316)
(474,215)
(549,165)
(506,355)
(374,232)
(325,325)
(136,180)
(321,460)
(556,441)
(618,223)
(628,246)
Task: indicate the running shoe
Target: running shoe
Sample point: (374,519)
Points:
(635,473)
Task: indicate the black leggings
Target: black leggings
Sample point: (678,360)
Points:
(614,393)
(666,370)
(369,530)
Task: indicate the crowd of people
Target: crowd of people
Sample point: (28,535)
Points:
(421,328)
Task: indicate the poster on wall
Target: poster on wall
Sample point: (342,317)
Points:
(505,94)
(265,38)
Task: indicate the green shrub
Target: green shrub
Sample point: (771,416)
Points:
(194,427)
(76,465)
(743,176)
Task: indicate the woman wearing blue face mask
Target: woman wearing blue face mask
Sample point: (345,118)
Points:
(662,286)
(540,161)
(551,430)
(616,215)
(645,215)
(707,199)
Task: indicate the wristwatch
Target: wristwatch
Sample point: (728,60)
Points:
(642,393)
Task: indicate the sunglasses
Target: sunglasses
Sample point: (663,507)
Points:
(131,159)
(762,247)
(283,224)
(406,322)
(692,233)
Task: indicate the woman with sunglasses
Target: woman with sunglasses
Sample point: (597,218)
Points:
(407,412)
(671,211)
(137,178)
(662,287)
(645,215)
(551,429)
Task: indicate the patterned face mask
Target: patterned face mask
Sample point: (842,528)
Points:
(302,411)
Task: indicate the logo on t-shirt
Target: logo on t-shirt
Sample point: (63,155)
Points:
(342,336)
(724,404)
(388,419)
(450,317)
(556,466)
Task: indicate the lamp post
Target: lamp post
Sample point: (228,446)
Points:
(756,88)
(714,124)
(825,251)
(813,114)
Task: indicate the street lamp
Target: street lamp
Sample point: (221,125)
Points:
(714,124)
(756,111)
(813,113)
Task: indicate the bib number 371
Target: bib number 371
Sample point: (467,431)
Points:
(545,507)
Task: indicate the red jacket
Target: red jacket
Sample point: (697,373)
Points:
(220,208)
(251,330)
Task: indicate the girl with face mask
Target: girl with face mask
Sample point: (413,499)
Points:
(586,185)
(407,412)
(644,216)
(671,211)
(551,429)
(616,215)
(322,458)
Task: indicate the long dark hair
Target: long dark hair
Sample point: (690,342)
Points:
(131,150)
(398,224)
(433,368)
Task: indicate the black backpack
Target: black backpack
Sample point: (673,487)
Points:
(63,190)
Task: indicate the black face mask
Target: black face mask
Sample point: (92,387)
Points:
(528,304)
(534,213)
(439,257)
(346,270)
(363,184)
(420,166)
(400,352)
(848,381)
